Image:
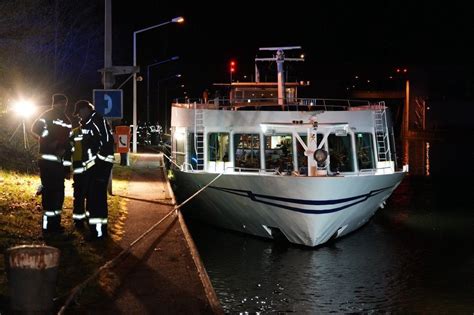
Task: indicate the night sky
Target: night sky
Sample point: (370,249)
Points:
(339,40)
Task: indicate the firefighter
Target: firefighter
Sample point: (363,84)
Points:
(98,153)
(80,179)
(52,129)
(80,176)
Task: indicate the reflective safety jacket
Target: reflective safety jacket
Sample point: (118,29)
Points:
(75,155)
(97,142)
(53,128)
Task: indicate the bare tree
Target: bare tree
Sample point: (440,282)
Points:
(50,45)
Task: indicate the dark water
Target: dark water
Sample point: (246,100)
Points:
(415,255)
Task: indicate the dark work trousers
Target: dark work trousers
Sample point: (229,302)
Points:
(97,197)
(52,199)
(80,190)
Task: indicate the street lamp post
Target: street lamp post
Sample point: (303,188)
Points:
(158,95)
(134,136)
(148,83)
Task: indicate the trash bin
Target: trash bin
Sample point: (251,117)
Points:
(32,272)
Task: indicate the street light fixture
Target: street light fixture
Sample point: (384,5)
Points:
(148,83)
(178,19)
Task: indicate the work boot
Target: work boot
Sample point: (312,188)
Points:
(54,230)
(51,225)
(94,234)
(79,224)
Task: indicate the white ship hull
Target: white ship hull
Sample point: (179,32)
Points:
(307,210)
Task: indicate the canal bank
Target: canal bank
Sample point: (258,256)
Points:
(163,272)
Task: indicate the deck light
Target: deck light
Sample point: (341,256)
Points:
(321,156)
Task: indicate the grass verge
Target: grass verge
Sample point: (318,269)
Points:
(20,223)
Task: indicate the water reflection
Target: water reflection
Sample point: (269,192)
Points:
(446,156)
(427,160)
(416,255)
(416,153)
(386,266)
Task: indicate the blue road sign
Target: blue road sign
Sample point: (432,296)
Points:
(109,103)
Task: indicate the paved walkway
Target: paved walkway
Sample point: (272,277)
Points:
(163,274)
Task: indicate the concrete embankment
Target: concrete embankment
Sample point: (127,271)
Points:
(163,274)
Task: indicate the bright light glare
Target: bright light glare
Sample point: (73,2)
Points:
(24,108)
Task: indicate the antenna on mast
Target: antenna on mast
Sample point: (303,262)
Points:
(280,59)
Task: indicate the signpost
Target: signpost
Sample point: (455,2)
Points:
(109,103)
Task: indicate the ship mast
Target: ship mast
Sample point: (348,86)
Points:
(280,59)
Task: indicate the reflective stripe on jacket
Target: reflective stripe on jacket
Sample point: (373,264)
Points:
(97,139)
(52,128)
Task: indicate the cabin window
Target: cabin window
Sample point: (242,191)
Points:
(247,150)
(239,95)
(192,156)
(218,143)
(302,159)
(279,152)
(365,151)
(256,94)
(319,139)
(179,145)
(340,153)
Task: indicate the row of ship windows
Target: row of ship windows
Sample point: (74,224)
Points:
(278,151)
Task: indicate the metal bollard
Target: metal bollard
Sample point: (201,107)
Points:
(124,159)
(32,272)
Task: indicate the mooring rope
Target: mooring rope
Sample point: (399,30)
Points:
(111,263)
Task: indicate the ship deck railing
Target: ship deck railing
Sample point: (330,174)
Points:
(188,167)
(293,104)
